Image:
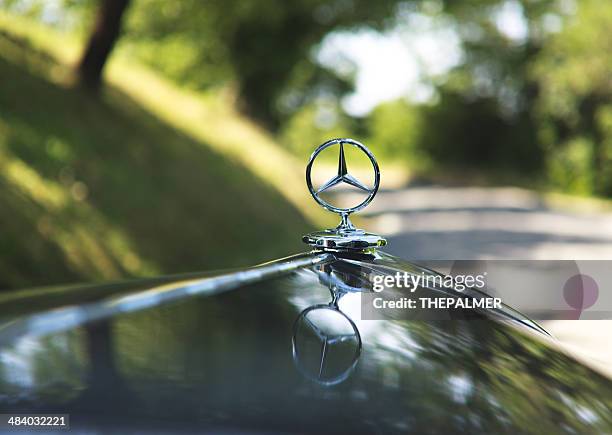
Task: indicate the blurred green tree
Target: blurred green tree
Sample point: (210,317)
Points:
(264,46)
(462,135)
(315,123)
(394,128)
(574,105)
(483,116)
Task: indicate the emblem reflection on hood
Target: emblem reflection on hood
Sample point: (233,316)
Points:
(326,343)
(345,236)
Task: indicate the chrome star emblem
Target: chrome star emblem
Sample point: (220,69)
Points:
(343,176)
(345,237)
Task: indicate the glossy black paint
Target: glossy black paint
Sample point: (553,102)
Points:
(224,364)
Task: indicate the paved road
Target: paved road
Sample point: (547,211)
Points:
(433,222)
(486,223)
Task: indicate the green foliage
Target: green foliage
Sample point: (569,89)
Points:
(263,49)
(574,107)
(473,134)
(313,125)
(183,40)
(264,46)
(540,102)
(569,166)
(394,129)
(482,115)
(73,15)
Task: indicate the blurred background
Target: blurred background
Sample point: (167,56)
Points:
(146,137)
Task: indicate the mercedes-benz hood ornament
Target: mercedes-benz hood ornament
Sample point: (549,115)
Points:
(345,236)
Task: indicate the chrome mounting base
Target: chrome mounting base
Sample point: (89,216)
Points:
(345,237)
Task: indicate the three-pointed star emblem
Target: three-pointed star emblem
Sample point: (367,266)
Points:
(343,176)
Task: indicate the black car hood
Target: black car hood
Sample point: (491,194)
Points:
(190,356)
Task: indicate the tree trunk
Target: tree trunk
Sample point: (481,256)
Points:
(101,42)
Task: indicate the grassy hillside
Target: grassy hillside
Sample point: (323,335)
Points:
(145,179)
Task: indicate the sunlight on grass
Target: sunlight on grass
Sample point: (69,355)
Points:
(91,246)
(219,125)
